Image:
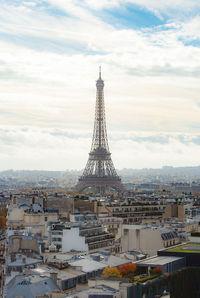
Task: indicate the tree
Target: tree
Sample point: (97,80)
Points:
(3,212)
(127,270)
(157,270)
(2,222)
(111,272)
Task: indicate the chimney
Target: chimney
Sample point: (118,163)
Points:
(54,276)
(13,257)
(24,260)
(44,203)
(14,201)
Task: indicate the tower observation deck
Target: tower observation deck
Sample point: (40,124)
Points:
(99,172)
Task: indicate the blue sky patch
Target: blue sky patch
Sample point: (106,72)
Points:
(193,43)
(131,16)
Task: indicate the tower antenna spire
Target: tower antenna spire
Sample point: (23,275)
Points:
(99,72)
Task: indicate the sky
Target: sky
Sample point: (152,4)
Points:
(50,52)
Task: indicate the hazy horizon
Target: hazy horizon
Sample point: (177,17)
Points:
(50,51)
(166,167)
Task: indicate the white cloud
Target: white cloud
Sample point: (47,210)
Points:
(52,149)
(48,67)
(98,5)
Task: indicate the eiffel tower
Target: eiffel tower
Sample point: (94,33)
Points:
(99,173)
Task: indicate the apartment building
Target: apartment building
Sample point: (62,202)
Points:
(111,224)
(135,213)
(89,237)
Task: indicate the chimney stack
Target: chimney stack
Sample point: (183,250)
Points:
(24,260)
(13,257)
(54,276)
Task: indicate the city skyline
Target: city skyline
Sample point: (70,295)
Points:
(49,57)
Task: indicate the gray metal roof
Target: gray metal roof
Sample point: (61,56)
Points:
(88,265)
(62,274)
(19,261)
(113,261)
(29,286)
(158,261)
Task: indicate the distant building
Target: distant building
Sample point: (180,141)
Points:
(175,210)
(25,242)
(133,213)
(64,204)
(112,224)
(34,217)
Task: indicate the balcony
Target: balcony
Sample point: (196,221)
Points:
(139,213)
(99,238)
(90,227)
(102,245)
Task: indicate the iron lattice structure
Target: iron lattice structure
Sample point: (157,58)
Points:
(99,172)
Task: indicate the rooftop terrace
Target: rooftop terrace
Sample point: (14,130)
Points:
(186,248)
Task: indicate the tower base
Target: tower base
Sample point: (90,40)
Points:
(100,184)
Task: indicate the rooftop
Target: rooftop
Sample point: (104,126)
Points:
(158,261)
(64,274)
(186,248)
(113,261)
(88,265)
(29,286)
(22,260)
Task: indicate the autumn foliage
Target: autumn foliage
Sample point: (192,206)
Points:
(127,270)
(157,270)
(3,213)
(111,272)
(2,222)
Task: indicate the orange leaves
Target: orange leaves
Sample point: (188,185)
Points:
(2,222)
(127,269)
(157,270)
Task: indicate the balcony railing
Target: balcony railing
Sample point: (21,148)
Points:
(139,214)
(97,239)
(101,245)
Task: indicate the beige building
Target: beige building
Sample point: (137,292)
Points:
(140,214)
(183,226)
(174,210)
(38,221)
(17,217)
(147,240)
(64,204)
(25,244)
(111,224)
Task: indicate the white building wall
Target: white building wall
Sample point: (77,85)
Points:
(72,240)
